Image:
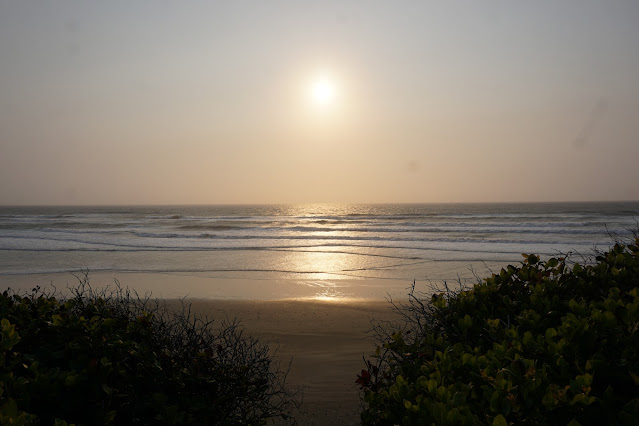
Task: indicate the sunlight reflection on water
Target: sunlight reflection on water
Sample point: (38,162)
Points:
(277,252)
(323,265)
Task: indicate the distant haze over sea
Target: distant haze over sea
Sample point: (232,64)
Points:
(312,244)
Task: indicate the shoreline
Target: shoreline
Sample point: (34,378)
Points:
(199,285)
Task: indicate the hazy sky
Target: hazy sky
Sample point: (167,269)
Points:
(131,102)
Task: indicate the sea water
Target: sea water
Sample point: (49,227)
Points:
(313,243)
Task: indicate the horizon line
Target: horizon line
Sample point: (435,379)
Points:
(315,202)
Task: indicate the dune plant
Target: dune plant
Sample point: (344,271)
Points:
(543,342)
(111,357)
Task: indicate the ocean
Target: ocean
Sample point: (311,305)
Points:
(326,246)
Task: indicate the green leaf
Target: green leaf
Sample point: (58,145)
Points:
(586,379)
(582,399)
(453,416)
(466,358)
(10,336)
(442,393)
(71,379)
(107,389)
(465,323)
(528,338)
(9,408)
(56,320)
(573,305)
(495,400)
(109,322)
(500,420)
(494,323)
(110,417)
(458,399)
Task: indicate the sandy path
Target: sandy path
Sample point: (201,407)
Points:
(325,340)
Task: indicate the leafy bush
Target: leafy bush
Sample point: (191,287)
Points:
(114,358)
(541,343)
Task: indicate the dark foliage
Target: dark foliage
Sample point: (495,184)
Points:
(548,342)
(115,358)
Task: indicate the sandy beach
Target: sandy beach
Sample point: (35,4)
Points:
(325,340)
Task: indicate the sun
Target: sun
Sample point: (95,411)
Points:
(323,91)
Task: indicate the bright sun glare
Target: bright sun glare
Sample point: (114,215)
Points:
(323,91)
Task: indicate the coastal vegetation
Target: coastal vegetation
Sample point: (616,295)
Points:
(111,357)
(544,342)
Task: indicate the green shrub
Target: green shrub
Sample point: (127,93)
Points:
(114,358)
(541,343)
